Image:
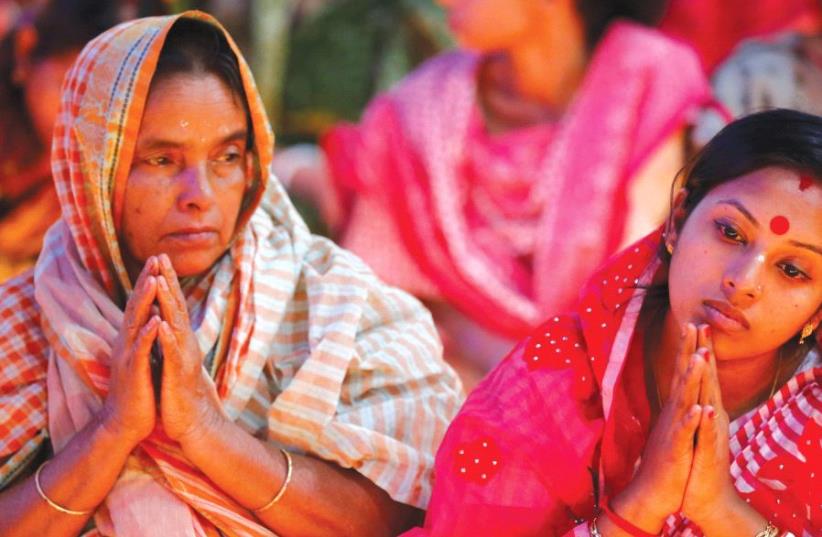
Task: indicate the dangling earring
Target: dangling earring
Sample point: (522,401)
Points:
(807,330)
(669,247)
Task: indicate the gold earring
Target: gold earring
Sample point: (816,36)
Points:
(669,247)
(807,330)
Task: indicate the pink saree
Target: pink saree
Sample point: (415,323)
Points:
(490,222)
(569,403)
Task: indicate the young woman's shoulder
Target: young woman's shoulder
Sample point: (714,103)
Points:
(500,456)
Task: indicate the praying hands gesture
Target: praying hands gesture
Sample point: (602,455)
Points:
(188,398)
(685,466)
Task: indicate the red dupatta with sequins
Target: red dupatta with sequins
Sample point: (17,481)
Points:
(564,418)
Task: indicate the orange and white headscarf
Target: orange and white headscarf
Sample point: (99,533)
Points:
(319,355)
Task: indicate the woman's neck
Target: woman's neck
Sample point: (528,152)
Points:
(536,78)
(745,382)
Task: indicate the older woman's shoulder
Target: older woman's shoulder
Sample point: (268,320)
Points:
(18,309)
(22,342)
(23,366)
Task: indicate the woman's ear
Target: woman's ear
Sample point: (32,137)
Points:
(675,219)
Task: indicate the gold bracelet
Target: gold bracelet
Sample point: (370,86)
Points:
(284,486)
(769,531)
(54,505)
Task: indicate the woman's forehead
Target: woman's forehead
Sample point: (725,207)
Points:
(760,185)
(776,199)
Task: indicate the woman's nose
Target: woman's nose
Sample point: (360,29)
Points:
(742,284)
(195,191)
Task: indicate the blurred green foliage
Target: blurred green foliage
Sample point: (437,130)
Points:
(351,49)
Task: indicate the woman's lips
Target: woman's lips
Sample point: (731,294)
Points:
(725,317)
(194,237)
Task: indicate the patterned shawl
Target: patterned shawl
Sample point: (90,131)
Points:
(321,356)
(570,402)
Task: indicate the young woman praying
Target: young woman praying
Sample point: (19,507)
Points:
(683,395)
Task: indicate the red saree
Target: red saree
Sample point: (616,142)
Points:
(570,402)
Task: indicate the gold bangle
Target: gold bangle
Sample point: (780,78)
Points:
(284,486)
(46,499)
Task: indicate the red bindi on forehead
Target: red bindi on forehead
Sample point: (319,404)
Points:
(780,225)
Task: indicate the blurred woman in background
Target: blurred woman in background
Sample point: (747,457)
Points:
(34,57)
(501,174)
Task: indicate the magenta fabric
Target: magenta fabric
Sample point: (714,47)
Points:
(507,228)
(569,401)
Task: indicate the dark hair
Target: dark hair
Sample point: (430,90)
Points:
(783,138)
(598,14)
(197,47)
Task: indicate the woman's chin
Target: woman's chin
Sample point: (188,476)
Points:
(193,263)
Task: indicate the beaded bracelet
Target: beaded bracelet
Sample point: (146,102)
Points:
(281,492)
(54,505)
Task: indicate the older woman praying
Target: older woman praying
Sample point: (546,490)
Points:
(186,359)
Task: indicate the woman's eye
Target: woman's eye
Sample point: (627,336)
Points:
(729,232)
(158,161)
(229,157)
(792,272)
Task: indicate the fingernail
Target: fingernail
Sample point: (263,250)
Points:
(705,354)
(711,412)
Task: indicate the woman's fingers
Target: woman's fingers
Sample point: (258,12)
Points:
(167,341)
(142,345)
(171,299)
(686,393)
(139,304)
(687,346)
(707,433)
(709,393)
(690,422)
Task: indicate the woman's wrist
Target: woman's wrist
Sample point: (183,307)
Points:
(730,513)
(632,505)
(110,429)
(210,424)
